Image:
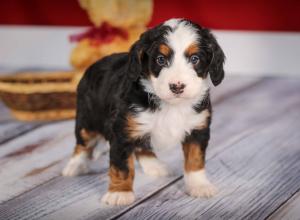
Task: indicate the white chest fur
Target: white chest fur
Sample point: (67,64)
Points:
(169,125)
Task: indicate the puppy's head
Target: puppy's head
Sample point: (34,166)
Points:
(174,59)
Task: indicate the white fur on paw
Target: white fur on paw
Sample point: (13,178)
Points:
(153,167)
(118,198)
(197,184)
(77,165)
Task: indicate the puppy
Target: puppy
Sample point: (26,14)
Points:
(155,96)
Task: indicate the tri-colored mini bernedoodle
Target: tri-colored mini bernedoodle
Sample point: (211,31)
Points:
(155,96)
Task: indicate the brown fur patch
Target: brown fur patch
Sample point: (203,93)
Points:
(165,50)
(88,135)
(192,49)
(90,139)
(81,149)
(120,180)
(194,157)
(144,153)
(132,127)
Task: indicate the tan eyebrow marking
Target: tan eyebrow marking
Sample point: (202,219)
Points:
(192,49)
(164,49)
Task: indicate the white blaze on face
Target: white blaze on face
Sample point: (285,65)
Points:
(180,69)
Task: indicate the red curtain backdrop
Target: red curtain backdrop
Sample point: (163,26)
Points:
(264,15)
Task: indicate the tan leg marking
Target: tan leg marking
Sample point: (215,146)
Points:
(79,149)
(194,158)
(196,182)
(79,162)
(120,186)
(120,180)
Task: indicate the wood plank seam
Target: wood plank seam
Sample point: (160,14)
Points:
(26,191)
(34,127)
(282,204)
(151,194)
(20,134)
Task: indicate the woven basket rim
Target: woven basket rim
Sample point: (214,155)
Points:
(38,75)
(40,87)
(47,115)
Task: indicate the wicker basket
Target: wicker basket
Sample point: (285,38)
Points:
(40,96)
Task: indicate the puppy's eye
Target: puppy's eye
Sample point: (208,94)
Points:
(161,60)
(194,59)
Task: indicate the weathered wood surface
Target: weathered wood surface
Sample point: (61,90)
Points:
(23,159)
(4,113)
(10,128)
(289,211)
(79,197)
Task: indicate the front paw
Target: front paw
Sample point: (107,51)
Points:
(197,184)
(118,198)
(203,190)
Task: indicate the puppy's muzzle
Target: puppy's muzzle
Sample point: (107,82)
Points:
(177,88)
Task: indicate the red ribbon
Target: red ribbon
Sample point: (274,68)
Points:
(98,35)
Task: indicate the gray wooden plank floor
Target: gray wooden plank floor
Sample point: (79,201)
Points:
(290,210)
(253,158)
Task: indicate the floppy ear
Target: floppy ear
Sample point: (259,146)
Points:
(135,60)
(138,53)
(215,68)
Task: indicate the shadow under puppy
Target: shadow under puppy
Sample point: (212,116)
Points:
(155,96)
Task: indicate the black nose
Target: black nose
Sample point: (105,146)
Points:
(177,88)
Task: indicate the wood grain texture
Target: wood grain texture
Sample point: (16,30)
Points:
(256,173)
(85,191)
(4,113)
(289,210)
(11,129)
(74,198)
(30,159)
